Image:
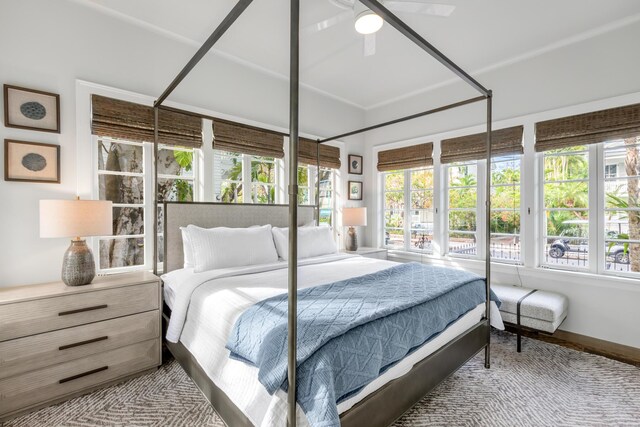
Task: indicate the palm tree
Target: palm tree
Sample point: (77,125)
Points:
(632,166)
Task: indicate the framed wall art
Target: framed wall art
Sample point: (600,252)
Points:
(31,109)
(31,162)
(355,164)
(355,190)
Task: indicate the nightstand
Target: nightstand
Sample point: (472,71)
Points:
(58,341)
(377,253)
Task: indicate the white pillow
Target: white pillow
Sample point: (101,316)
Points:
(187,249)
(312,241)
(224,247)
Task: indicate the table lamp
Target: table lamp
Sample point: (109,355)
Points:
(353,217)
(74,218)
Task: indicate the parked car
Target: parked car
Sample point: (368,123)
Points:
(560,247)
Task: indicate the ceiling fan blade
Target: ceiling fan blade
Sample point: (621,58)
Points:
(326,24)
(419,7)
(370,44)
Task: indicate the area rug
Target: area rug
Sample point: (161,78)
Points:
(545,385)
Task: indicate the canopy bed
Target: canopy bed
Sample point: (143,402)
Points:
(400,386)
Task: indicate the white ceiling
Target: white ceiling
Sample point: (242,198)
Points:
(480,34)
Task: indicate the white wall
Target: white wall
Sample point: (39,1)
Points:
(594,74)
(47,45)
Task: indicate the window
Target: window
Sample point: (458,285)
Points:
(234,172)
(121,179)
(304,185)
(124,178)
(228,177)
(409,194)
(394,204)
(326,196)
(462,180)
(263,180)
(176,178)
(421,210)
(622,206)
(566,207)
(307,190)
(505,209)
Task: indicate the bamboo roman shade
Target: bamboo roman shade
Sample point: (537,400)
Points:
(135,122)
(589,128)
(329,155)
(406,157)
(239,138)
(504,142)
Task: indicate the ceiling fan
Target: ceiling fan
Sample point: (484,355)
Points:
(367,23)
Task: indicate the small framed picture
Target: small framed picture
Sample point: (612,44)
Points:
(31,109)
(31,162)
(355,164)
(355,190)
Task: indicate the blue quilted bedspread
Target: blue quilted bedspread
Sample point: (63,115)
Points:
(351,331)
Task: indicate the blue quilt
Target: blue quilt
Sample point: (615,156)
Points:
(351,331)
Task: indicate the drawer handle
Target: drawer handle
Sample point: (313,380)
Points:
(75,377)
(78,344)
(82,310)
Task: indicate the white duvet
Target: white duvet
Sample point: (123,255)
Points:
(205,306)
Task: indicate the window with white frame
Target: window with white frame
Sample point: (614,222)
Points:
(610,170)
(307,181)
(235,172)
(228,177)
(621,204)
(409,194)
(394,209)
(462,207)
(305,187)
(263,180)
(123,177)
(505,209)
(327,200)
(566,207)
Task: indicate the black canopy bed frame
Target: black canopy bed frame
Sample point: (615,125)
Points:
(388,403)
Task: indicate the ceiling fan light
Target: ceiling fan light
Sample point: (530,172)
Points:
(368,22)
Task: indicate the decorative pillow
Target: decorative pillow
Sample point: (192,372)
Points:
(187,249)
(224,247)
(312,241)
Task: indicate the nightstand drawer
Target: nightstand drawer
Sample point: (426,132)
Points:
(50,314)
(57,381)
(38,351)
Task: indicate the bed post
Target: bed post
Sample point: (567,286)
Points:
(487,349)
(294,87)
(317,182)
(156,112)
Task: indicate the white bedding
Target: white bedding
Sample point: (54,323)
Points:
(206,305)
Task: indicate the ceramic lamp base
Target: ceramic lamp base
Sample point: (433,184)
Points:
(351,244)
(78,267)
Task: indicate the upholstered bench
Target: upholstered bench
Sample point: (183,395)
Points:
(531,309)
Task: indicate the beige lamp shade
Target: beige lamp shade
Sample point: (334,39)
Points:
(354,217)
(75,218)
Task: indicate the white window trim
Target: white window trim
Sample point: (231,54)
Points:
(530,200)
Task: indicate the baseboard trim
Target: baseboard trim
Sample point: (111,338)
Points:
(619,352)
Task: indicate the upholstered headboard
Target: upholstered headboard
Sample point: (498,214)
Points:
(208,215)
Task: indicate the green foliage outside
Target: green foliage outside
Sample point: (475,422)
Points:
(183,189)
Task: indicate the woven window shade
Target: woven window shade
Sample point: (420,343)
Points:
(329,155)
(135,122)
(239,138)
(504,142)
(413,156)
(590,128)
